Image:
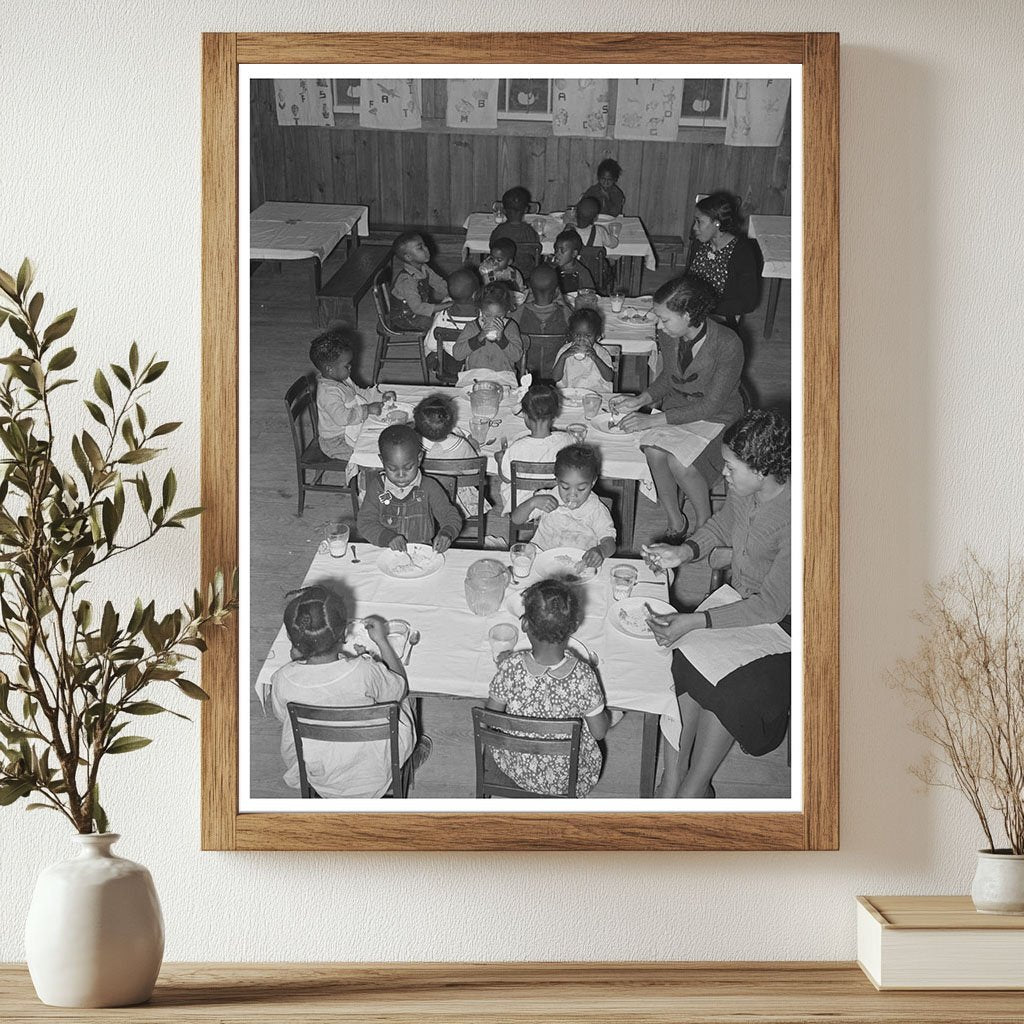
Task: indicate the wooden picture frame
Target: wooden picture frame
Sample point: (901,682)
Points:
(816,827)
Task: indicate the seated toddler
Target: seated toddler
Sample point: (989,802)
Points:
(448,322)
(583,362)
(435,419)
(492,341)
(417,291)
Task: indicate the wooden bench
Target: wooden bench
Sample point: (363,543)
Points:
(352,281)
(670,250)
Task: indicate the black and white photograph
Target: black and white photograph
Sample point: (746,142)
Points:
(520,438)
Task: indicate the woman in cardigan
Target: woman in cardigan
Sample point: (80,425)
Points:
(735,686)
(724,257)
(698,390)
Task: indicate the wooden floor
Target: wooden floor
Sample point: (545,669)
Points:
(283,544)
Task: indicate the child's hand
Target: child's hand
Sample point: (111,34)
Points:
(375,408)
(397,543)
(545,503)
(389,397)
(377,628)
(442,542)
(592,558)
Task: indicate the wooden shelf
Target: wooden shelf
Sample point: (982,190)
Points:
(524,992)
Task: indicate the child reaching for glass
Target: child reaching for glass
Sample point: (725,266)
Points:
(549,681)
(321,674)
(448,322)
(541,406)
(583,362)
(341,406)
(417,291)
(401,505)
(571,515)
(492,341)
(500,266)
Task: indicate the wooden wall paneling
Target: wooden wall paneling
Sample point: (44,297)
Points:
(270,144)
(257,174)
(435,97)
(321,179)
(486,180)
(343,166)
(367,176)
(413,146)
(392,182)
(296,163)
(461,170)
(510,168)
(630,159)
(655,184)
(533,164)
(672,209)
(556,188)
(438,172)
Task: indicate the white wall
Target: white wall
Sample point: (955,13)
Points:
(100,183)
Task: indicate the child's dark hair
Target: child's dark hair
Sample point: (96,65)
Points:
(609,166)
(579,456)
(586,317)
(553,610)
(434,417)
(516,199)
(499,293)
(544,273)
(399,435)
(588,207)
(505,246)
(315,621)
(572,237)
(403,240)
(325,348)
(542,402)
(463,283)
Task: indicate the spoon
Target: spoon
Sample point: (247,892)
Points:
(414,639)
(355,561)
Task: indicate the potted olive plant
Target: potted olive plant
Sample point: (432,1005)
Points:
(966,682)
(78,672)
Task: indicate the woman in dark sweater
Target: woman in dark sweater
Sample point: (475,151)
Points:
(723,257)
(732,663)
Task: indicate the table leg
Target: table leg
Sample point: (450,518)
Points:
(631,269)
(774,285)
(315,277)
(649,755)
(629,489)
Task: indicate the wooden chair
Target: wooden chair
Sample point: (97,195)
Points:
(529,477)
(493,730)
(595,259)
(615,355)
(718,491)
(540,352)
(300,400)
(370,724)
(452,474)
(528,255)
(394,345)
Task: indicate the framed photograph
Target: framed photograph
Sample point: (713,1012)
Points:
(335,167)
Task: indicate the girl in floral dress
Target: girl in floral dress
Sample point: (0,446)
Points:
(549,681)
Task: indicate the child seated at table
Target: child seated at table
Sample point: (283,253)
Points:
(572,275)
(448,322)
(607,191)
(541,406)
(590,232)
(341,406)
(417,291)
(514,202)
(401,505)
(321,674)
(500,265)
(492,341)
(435,418)
(572,515)
(545,310)
(549,681)
(582,362)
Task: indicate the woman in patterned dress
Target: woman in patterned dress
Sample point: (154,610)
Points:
(549,681)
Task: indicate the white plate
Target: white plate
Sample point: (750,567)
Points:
(572,398)
(629,616)
(403,406)
(415,563)
(561,562)
(599,424)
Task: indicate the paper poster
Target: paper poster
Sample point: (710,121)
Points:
(757,111)
(648,109)
(304,101)
(472,103)
(579,106)
(391,103)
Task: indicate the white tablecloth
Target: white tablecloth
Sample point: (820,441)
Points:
(773,236)
(454,657)
(633,240)
(300,231)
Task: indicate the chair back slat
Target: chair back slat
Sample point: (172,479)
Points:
(595,259)
(540,354)
(469,472)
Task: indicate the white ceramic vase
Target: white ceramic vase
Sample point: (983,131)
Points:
(999,883)
(95,934)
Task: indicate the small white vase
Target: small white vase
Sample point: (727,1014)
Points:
(999,883)
(95,934)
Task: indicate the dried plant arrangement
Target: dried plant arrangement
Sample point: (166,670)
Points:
(78,672)
(966,683)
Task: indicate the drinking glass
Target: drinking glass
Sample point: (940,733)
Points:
(522,559)
(479,427)
(336,534)
(578,431)
(623,580)
(502,637)
(398,635)
(614,230)
(591,406)
(618,301)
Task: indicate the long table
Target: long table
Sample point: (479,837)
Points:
(305,231)
(622,462)
(634,251)
(774,236)
(453,657)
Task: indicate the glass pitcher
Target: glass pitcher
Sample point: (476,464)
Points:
(485,586)
(484,399)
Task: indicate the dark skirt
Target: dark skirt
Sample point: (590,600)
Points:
(752,701)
